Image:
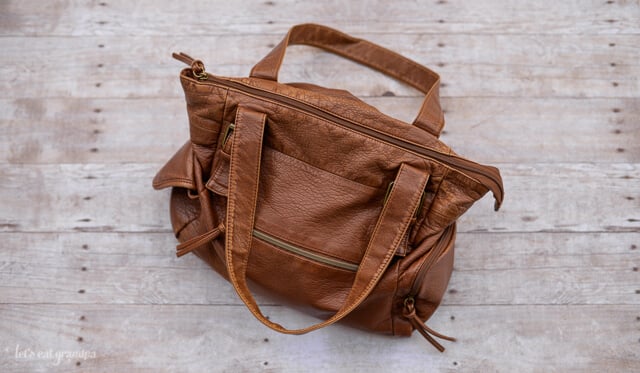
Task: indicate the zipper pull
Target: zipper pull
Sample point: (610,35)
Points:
(409,313)
(227,133)
(197,67)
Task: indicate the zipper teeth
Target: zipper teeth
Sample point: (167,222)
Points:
(437,251)
(483,172)
(304,252)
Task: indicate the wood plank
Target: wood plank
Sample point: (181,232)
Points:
(469,65)
(484,129)
(117,17)
(491,268)
(118,197)
(197,338)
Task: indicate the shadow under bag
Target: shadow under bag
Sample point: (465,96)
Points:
(317,197)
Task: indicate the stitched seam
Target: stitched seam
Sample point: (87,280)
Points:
(231,211)
(388,255)
(174,179)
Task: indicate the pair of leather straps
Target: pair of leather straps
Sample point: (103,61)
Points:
(244,175)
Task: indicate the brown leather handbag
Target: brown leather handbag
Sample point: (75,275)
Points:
(318,197)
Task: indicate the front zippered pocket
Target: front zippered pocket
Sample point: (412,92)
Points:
(305,253)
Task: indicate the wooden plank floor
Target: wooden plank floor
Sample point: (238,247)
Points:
(91,107)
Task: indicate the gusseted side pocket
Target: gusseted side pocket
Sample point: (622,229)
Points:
(178,174)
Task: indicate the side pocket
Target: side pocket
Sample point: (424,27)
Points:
(178,174)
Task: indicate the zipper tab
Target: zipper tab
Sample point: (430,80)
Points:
(227,133)
(409,313)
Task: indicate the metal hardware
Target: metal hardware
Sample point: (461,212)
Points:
(227,133)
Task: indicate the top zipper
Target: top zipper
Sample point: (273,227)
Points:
(487,175)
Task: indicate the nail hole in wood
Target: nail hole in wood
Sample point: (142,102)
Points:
(440,45)
(97,110)
(388,94)
(78,363)
(84,269)
(85,247)
(82,318)
(620,150)
(80,339)
(98,85)
(615,110)
(612,44)
(266,340)
(81,291)
(87,198)
(612,64)
(100,45)
(94,150)
(453,291)
(615,84)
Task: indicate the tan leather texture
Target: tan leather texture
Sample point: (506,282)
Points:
(313,196)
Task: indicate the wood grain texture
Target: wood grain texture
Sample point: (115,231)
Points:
(132,268)
(469,65)
(91,107)
(204,338)
(201,17)
(485,129)
(118,197)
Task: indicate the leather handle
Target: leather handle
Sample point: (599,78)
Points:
(430,117)
(244,173)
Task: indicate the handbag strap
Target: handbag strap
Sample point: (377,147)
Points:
(430,118)
(244,174)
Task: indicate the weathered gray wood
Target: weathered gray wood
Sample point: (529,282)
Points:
(219,17)
(490,268)
(227,338)
(469,65)
(118,197)
(485,129)
(90,107)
